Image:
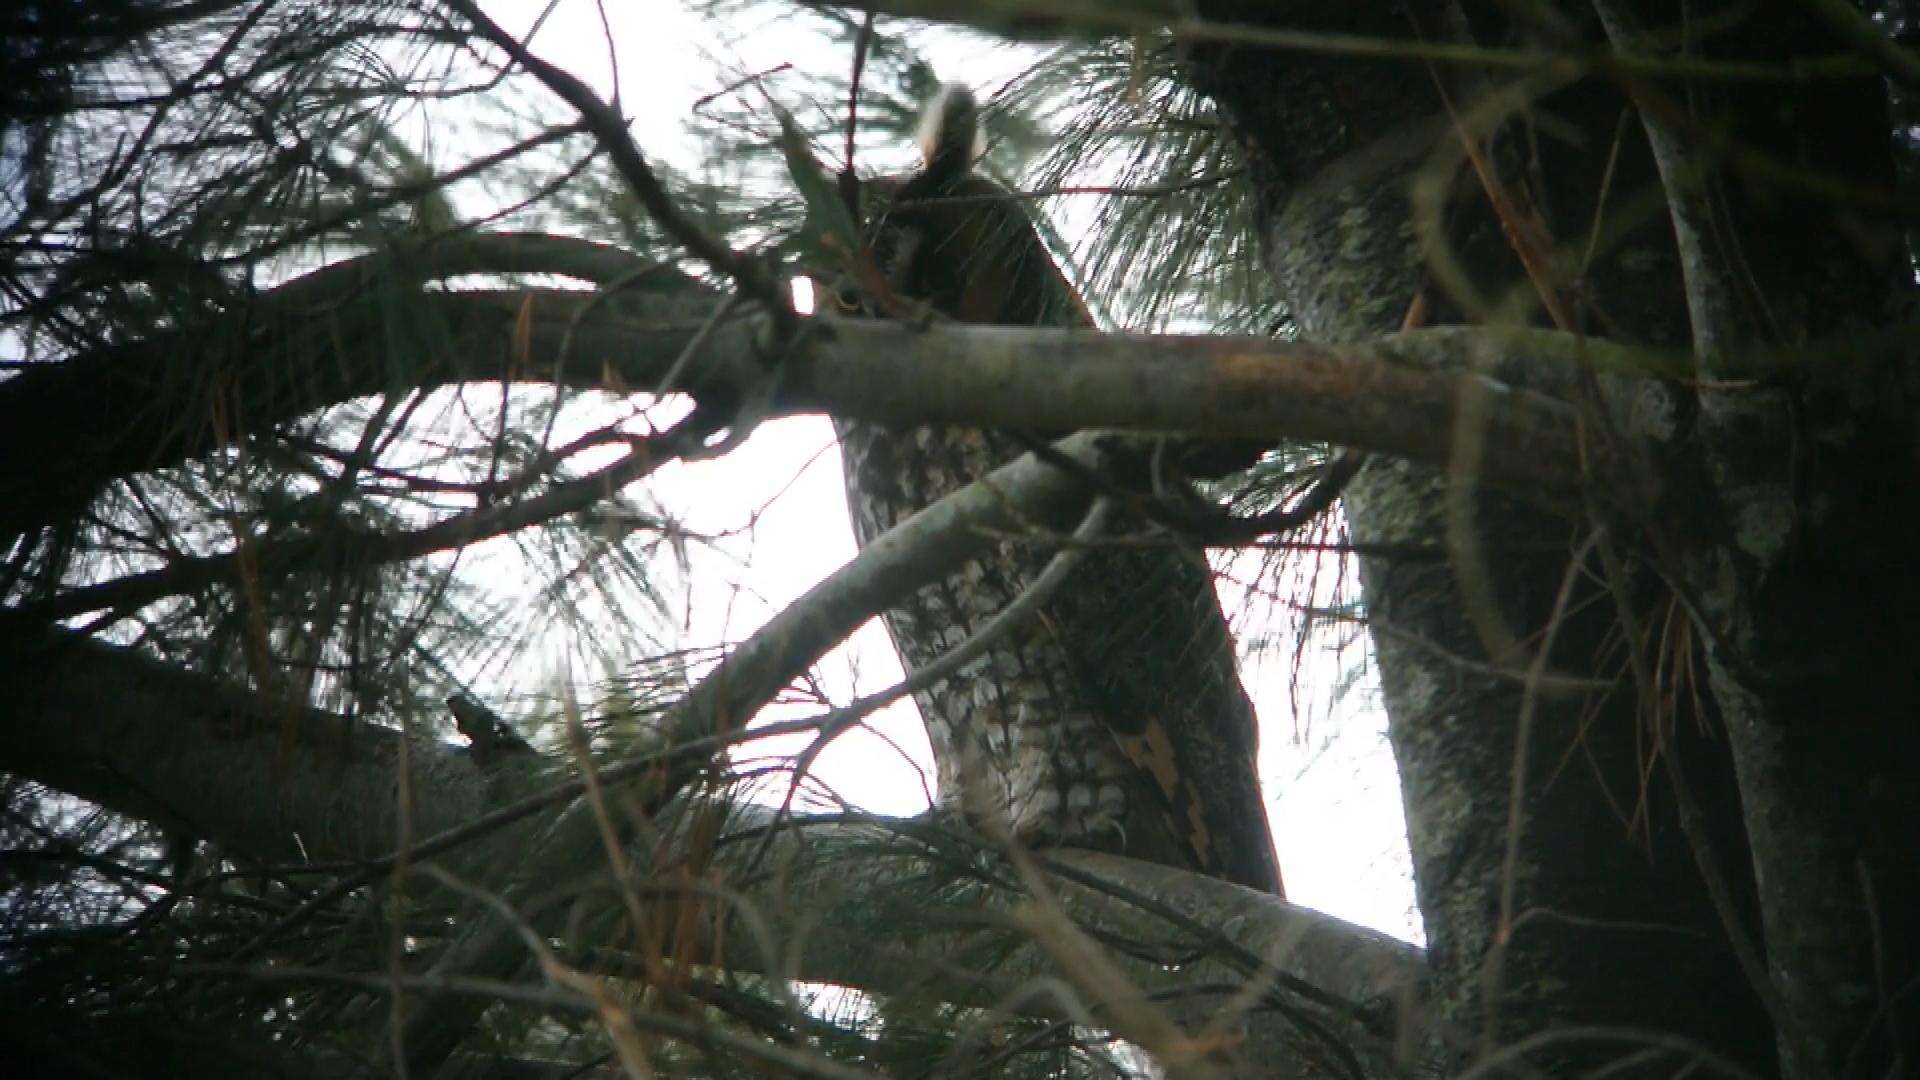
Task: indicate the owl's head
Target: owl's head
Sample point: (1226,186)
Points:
(950,137)
(951,238)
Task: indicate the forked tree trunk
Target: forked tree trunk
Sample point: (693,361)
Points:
(1583,905)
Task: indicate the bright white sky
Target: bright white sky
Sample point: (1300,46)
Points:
(1332,794)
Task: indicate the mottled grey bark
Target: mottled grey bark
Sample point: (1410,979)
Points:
(1113,718)
(1806,584)
(1580,905)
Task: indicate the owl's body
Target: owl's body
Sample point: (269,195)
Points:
(1115,718)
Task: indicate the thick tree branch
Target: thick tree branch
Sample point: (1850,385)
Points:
(1817,714)
(1282,962)
(69,428)
(276,781)
(317,342)
(161,744)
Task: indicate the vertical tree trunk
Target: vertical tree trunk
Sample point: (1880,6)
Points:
(1561,894)
(1804,575)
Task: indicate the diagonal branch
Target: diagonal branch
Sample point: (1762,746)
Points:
(190,741)
(610,128)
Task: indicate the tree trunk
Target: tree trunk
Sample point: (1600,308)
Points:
(1562,894)
(1804,576)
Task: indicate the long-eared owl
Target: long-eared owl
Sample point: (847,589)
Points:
(1115,718)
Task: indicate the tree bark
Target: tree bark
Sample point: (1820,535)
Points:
(1560,891)
(1037,379)
(1806,583)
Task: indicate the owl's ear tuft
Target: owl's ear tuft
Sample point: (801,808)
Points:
(951,139)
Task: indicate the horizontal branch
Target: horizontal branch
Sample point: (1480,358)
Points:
(1400,396)
(1207,952)
(336,334)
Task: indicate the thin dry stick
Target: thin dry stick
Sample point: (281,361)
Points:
(396,938)
(589,993)
(1517,790)
(1692,819)
(1520,221)
(611,840)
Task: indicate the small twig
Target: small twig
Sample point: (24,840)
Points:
(563,997)
(699,339)
(1215,526)
(457,531)
(1693,826)
(861,45)
(1606,188)
(1517,787)
(698,108)
(1189,514)
(1520,220)
(1125,1009)
(1859,31)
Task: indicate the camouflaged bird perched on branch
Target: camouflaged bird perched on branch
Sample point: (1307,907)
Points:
(1114,717)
